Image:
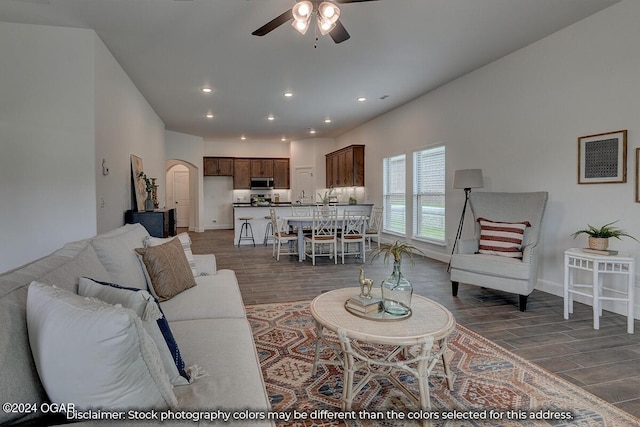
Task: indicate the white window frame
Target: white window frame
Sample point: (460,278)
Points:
(429,191)
(394,194)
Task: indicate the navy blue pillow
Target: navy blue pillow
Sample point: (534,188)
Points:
(164,328)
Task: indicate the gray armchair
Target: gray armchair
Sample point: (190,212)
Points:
(499,272)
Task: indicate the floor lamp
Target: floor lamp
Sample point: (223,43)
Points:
(465,179)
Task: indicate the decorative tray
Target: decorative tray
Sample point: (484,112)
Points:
(380,315)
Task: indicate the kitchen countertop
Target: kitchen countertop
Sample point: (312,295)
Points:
(285,204)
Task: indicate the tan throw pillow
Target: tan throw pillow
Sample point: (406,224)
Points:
(168,269)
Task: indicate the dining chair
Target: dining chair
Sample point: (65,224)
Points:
(304,211)
(281,237)
(323,232)
(352,231)
(374,226)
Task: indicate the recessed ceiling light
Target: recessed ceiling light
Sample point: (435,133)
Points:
(243,137)
(327,120)
(207,90)
(283,139)
(271,118)
(312,131)
(209,115)
(288,94)
(362,99)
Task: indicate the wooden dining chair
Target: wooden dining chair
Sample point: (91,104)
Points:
(281,239)
(352,232)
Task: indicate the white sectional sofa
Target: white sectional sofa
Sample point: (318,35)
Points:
(207,320)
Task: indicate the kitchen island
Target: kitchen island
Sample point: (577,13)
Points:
(260,215)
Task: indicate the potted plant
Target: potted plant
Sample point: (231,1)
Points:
(396,289)
(599,237)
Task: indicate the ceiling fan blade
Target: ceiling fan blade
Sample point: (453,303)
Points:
(339,33)
(352,1)
(274,23)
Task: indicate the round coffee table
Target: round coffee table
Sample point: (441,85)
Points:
(410,343)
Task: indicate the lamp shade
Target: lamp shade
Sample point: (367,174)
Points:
(468,178)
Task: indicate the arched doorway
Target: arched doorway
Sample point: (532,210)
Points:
(182,193)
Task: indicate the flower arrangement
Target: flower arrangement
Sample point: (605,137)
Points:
(327,196)
(148,182)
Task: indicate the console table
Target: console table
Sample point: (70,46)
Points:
(599,266)
(159,223)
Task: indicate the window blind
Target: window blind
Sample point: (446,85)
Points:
(429,194)
(394,177)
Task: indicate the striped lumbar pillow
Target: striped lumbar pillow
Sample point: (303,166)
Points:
(502,238)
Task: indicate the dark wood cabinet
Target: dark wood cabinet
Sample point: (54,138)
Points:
(262,168)
(159,223)
(241,173)
(218,166)
(281,174)
(345,167)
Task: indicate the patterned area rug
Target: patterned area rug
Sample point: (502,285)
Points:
(492,387)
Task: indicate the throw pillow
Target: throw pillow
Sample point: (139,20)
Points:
(185,240)
(153,320)
(94,354)
(502,238)
(168,269)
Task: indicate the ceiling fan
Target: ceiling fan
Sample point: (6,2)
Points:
(327,12)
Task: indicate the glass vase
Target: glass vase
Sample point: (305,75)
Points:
(148,203)
(396,292)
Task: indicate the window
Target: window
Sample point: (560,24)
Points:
(394,177)
(428,194)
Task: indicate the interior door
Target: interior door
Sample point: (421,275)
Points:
(304,185)
(181,197)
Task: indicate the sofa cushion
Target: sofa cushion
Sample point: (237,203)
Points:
(168,269)
(226,351)
(67,276)
(115,250)
(492,265)
(94,354)
(501,238)
(185,241)
(153,320)
(216,296)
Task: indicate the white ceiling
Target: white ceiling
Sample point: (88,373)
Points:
(398,50)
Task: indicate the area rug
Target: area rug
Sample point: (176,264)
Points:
(492,386)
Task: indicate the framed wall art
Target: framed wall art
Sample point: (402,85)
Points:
(602,158)
(139,190)
(637,175)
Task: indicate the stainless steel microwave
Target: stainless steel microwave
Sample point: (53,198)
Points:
(261,183)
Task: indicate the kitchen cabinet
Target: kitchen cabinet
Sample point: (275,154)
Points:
(241,173)
(262,168)
(218,166)
(345,167)
(159,223)
(281,174)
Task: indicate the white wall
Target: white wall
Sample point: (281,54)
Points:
(125,124)
(518,119)
(65,105)
(47,167)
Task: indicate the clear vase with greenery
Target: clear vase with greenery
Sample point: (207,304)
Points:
(396,289)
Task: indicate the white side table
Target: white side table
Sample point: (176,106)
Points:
(599,266)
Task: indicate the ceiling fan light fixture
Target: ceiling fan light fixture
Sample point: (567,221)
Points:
(302,10)
(325,26)
(328,11)
(301,26)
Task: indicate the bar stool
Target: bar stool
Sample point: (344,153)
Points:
(268,231)
(247,229)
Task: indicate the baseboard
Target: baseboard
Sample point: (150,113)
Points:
(617,307)
(219,227)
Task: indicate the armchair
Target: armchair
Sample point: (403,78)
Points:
(477,263)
